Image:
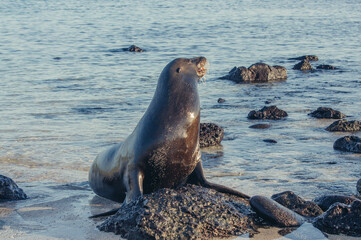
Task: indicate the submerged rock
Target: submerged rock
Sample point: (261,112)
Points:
(259,72)
(326,201)
(221,100)
(260,126)
(325,112)
(326,67)
(271,112)
(341,218)
(210,134)
(306,57)
(358,186)
(189,212)
(344,126)
(133,48)
(292,201)
(275,213)
(268,140)
(304,65)
(9,190)
(348,144)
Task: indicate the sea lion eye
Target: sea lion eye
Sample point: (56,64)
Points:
(179,70)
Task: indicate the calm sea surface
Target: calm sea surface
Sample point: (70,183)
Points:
(67,92)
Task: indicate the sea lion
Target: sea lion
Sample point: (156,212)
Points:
(163,150)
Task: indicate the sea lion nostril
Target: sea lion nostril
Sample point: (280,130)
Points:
(179,70)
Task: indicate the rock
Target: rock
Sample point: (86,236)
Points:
(348,144)
(306,57)
(358,186)
(304,65)
(326,201)
(189,212)
(260,126)
(57,58)
(210,134)
(9,190)
(341,218)
(269,140)
(221,100)
(325,112)
(259,72)
(326,67)
(275,213)
(271,112)
(134,48)
(297,204)
(344,126)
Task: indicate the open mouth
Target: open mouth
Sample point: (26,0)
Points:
(201,63)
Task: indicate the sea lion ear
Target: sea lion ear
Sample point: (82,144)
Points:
(179,70)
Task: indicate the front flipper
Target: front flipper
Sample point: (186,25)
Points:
(197,178)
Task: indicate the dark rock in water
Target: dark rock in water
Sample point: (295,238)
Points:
(259,72)
(210,134)
(344,126)
(326,201)
(304,65)
(326,67)
(358,186)
(297,204)
(341,218)
(57,58)
(325,112)
(269,140)
(221,100)
(261,126)
(134,48)
(348,144)
(271,112)
(9,190)
(275,213)
(189,212)
(306,57)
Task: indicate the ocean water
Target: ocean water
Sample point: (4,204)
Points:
(67,91)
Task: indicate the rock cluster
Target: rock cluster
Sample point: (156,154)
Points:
(341,218)
(306,57)
(210,134)
(271,112)
(348,144)
(325,112)
(259,72)
(188,212)
(325,202)
(9,190)
(344,126)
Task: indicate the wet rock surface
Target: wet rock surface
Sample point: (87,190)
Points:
(260,126)
(341,218)
(275,213)
(292,201)
(348,144)
(344,126)
(325,112)
(210,134)
(188,212)
(304,65)
(326,201)
(259,72)
(133,48)
(271,112)
(306,57)
(326,67)
(9,190)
